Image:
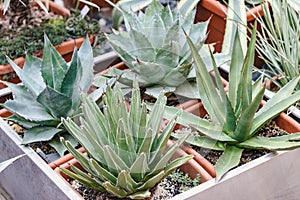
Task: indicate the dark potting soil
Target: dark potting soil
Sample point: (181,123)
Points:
(172,99)
(173,184)
(269,130)
(36,146)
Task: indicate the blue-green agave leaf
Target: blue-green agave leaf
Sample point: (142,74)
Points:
(85,55)
(54,66)
(40,133)
(31,80)
(48,98)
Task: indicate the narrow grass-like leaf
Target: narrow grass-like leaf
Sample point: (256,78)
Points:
(186,6)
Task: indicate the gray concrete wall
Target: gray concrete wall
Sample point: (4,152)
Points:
(29,178)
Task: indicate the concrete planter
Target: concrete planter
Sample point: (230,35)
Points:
(29,177)
(273,176)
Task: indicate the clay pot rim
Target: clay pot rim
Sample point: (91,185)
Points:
(220,9)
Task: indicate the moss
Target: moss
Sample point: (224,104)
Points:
(14,44)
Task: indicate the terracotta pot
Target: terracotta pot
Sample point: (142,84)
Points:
(101,3)
(216,12)
(53,7)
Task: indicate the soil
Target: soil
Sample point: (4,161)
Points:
(29,17)
(173,184)
(39,147)
(172,99)
(269,130)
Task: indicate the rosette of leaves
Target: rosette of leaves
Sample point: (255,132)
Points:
(155,49)
(127,152)
(236,117)
(51,90)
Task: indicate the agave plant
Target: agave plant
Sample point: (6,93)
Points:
(127,153)
(184,6)
(51,89)
(235,118)
(155,48)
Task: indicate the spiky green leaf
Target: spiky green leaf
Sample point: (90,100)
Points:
(40,133)
(229,159)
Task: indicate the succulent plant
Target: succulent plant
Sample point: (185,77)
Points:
(235,118)
(127,153)
(154,46)
(51,89)
(279,40)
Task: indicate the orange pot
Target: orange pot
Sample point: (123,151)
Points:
(101,3)
(216,12)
